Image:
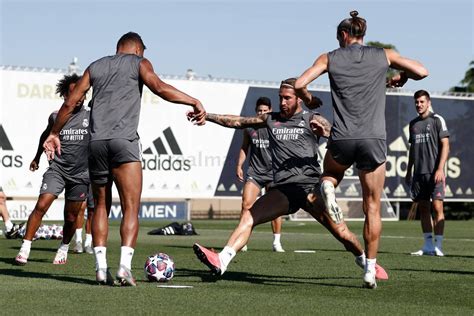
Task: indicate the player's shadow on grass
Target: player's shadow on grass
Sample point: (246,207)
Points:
(40,275)
(12,260)
(438,271)
(37,249)
(264,279)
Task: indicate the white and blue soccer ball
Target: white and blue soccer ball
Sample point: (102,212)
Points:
(159,267)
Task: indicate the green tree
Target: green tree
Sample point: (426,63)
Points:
(467,83)
(391,72)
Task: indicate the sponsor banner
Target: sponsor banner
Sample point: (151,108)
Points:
(20,210)
(170,211)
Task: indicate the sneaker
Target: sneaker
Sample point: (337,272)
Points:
(244,248)
(438,252)
(369,281)
(60,258)
(423,252)
(104,277)
(88,249)
(380,273)
(209,258)
(21,258)
(14,232)
(124,276)
(329,197)
(78,247)
(278,248)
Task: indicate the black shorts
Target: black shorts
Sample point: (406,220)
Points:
(367,154)
(110,153)
(90,198)
(288,198)
(260,180)
(423,187)
(54,183)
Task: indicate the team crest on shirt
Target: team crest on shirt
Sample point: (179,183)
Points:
(428,127)
(302,123)
(85,123)
(45,186)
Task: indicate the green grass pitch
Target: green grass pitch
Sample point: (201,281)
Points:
(258,281)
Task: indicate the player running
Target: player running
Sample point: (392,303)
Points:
(296,171)
(357,75)
(66,172)
(259,172)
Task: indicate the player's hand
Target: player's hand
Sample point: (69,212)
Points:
(52,145)
(34,166)
(199,114)
(320,126)
(240,174)
(439,176)
(398,80)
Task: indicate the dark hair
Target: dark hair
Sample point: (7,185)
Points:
(263,101)
(421,93)
(130,37)
(354,26)
(290,82)
(62,87)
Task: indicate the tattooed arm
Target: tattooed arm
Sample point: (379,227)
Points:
(320,125)
(237,122)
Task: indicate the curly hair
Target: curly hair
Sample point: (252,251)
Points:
(62,88)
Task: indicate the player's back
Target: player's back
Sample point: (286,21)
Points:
(116,97)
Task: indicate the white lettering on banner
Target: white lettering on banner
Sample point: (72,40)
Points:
(397,167)
(115,211)
(20,210)
(148,211)
(36,91)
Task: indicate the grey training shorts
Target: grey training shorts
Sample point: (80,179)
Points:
(367,154)
(54,183)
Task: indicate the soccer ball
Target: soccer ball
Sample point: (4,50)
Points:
(159,267)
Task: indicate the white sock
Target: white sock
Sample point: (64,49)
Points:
(226,256)
(100,257)
(64,247)
(428,240)
(276,239)
(78,235)
(126,255)
(362,258)
(88,241)
(370,265)
(438,241)
(8,225)
(26,247)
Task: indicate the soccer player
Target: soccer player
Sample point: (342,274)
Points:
(296,171)
(259,172)
(357,75)
(114,150)
(11,229)
(429,149)
(66,172)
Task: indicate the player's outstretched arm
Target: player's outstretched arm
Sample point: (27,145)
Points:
(52,143)
(319,67)
(168,92)
(411,69)
(237,122)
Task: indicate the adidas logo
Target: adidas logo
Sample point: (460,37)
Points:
(351,191)
(163,157)
(8,160)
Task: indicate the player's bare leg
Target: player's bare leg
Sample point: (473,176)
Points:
(438,223)
(71,211)
(78,248)
(34,221)
(372,185)
(249,196)
(88,242)
(11,230)
(276,228)
(128,179)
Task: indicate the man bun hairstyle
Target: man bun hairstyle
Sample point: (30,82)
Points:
(421,93)
(263,101)
(355,26)
(130,37)
(62,87)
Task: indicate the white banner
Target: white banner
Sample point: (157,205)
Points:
(179,160)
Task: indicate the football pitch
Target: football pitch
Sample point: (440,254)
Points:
(326,281)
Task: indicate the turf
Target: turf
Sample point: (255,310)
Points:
(258,281)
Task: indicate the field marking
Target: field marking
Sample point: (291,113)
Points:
(175,286)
